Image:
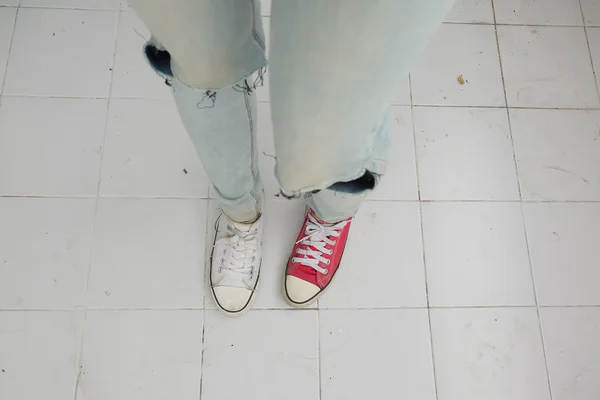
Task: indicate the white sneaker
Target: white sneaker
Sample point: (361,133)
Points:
(235,265)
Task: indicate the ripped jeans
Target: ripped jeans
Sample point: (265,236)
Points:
(334,66)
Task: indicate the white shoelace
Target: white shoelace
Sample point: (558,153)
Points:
(239,250)
(318,237)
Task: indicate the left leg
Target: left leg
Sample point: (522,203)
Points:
(334,66)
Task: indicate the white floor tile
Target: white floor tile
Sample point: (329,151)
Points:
(264,355)
(148,253)
(137,355)
(557,153)
(61,53)
(282,219)
(492,354)
(7,21)
(572,351)
(373,354)
(467,51)
(383,263)
(465,154)
(547,67)
(50,146)
(38,354)
(594,41)
(79,4)
(9,2)
(133,76)
(476,254)
(563,243)
(591,12)
(472,11)
(538,12)
(45,252)
(149,153)
(400,180)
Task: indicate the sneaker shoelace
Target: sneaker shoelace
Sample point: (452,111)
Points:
(314,245)
(239,250)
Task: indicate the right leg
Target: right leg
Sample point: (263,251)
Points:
(208,52)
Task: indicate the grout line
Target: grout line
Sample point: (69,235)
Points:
(589,46)
(523,221)
(57,96)
(97,196)
(120,8)
(128,197)
(357,309)
(421,233)
(66,197)
(535,295)
(108,197)
(510,108)
(160,99)
(206,260)
(515,24)
(93,227)
(370,200)
(412,121)
(202,355)
(510,130)
(69,8)
(319,368)
(78,366)
(10,45)
(205,278)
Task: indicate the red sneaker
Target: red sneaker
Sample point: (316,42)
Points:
(315,259)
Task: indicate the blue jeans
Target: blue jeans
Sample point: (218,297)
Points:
(334,65)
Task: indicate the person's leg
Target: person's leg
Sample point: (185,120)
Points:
(211,54)
(334,66)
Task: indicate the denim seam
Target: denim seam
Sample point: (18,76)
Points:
(252,152)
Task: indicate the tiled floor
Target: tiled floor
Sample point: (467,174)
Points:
(473,273)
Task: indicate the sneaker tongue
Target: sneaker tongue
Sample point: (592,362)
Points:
(320,221)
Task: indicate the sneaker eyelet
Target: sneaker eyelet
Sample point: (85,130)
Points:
(326,271)
(327,262)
